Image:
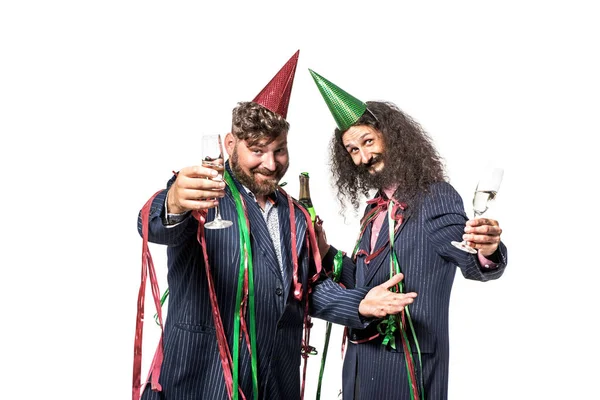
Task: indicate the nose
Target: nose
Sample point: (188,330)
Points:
(365,156)
(268,161)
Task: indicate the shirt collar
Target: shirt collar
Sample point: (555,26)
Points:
(272,198)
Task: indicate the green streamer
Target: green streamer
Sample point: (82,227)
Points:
(162,301)
(395,269)
(338,260)
(392,323)
(337,274)
(245,257)
(325,347)
(414,335)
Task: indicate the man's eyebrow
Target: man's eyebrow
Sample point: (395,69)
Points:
(360,138)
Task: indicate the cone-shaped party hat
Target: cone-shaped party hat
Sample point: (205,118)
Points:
(276,95)
(345,108)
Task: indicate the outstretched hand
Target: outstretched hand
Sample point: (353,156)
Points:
(194,189)
(380,301)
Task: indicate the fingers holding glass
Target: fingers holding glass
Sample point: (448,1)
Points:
(194,189)
(212,158)
(485,193)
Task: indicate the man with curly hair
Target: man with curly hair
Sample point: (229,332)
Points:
(408,226)
(239,297)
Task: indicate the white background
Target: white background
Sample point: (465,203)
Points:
(100,101)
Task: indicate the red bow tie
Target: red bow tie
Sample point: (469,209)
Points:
(383,203)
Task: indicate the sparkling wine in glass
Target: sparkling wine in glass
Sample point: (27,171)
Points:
(212,157)
(485,193)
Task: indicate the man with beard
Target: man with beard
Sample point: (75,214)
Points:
(408,226)
(247,285)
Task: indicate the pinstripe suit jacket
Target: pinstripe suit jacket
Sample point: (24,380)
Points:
(428,262)
(191,369)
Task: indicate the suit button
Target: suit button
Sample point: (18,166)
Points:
(354,337)
(278,291)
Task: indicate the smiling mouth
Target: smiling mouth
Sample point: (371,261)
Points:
(269,175)
(266,179)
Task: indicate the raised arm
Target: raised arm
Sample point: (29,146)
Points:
(191,189)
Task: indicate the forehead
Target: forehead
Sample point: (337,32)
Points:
(355,135)
(267,142)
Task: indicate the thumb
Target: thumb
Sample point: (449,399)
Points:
(393,281)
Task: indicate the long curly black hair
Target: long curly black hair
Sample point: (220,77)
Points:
(411,160)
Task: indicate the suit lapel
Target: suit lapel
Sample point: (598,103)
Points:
(300,230)
(361,266)
(382,240)
(259,233)
(285,237)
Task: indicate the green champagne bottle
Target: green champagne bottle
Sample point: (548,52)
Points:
(304,197)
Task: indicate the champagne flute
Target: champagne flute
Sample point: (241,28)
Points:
(485,193)
(212,157)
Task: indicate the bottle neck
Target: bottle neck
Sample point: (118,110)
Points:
(304,189)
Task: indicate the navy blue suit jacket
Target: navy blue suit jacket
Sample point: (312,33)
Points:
(191,368)
(428,261)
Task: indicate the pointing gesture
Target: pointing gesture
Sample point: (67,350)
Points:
(380,301)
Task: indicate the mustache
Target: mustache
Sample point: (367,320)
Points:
(374,160)
(266,172)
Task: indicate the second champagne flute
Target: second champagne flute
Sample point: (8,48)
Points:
(212,157)
(485,193)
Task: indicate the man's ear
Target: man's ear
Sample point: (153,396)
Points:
(229,143)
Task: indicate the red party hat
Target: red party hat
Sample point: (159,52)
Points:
(276,95)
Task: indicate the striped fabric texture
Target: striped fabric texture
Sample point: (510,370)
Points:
(191,369)
(428,261)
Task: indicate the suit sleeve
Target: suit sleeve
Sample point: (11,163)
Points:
(444,221)
(333,303)
(348,277)
(158,231)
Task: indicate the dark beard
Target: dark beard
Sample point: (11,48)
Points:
(378,180)
(248,180)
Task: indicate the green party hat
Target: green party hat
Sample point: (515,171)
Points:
(345,108)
